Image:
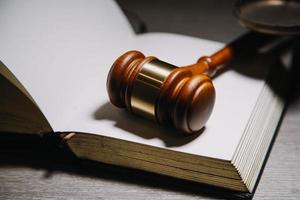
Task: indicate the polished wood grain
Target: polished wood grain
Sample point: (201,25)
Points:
(186,97)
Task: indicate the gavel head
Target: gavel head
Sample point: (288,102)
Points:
(157,90)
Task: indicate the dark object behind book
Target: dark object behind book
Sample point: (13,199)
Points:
(272,17)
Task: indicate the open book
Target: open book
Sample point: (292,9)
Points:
(55,60)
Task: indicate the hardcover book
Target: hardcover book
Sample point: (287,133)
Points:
(55,60)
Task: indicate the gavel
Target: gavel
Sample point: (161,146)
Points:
(180,97)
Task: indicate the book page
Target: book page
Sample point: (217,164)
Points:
(61,51)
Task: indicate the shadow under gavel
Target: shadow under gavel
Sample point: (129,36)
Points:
(180,97)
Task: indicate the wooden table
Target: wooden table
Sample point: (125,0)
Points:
(29,169)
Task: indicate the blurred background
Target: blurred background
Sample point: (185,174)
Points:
(213,20)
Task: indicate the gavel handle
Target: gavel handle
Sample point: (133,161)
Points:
(249,42)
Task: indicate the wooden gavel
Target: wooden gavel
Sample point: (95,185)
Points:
(181,97)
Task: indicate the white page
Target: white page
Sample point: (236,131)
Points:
(62,51)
